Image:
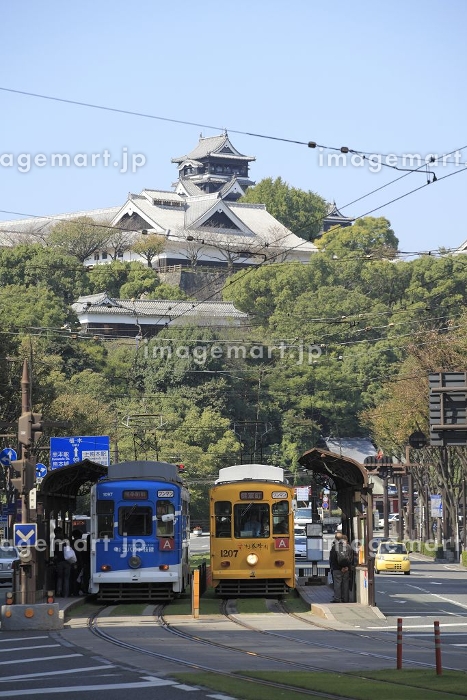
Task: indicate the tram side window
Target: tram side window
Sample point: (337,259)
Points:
(251,520)
(280,518)
(135,521)
(223,515)
(105,518)
(165,513)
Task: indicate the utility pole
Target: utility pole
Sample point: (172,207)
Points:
(30,426)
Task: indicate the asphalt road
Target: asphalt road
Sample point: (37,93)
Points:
(47,663)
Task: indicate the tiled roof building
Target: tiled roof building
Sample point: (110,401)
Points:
(202,221)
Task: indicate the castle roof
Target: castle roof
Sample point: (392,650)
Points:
(218,146)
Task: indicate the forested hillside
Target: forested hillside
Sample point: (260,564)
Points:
(339,346)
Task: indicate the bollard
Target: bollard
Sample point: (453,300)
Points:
(399,642)
(439,669)
(195,594)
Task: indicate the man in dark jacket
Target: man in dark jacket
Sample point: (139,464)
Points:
(62,566)
(340,571)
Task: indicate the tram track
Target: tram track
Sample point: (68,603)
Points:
(228,610)
(331,647)
(162,622)
(99,632)
(420,646)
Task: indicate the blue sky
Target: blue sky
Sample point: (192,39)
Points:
(380,78)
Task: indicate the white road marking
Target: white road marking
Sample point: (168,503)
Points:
(26,676)
(36,646)
(416,627)
(22,639)
(39,658)
(85,688)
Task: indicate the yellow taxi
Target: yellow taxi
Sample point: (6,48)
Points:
(392,556)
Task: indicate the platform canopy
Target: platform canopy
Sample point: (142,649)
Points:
(344,471)
(59,489)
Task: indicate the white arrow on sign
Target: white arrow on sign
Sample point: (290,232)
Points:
(25,535)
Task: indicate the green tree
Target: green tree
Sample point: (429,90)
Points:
(149,247)
(29,310)
(109,278)
(300,211)
(403,409)
(42,268)
(80,237)
(369,237)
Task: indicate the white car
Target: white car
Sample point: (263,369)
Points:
(8,555)
(392,518)
(300,547)
(302,517)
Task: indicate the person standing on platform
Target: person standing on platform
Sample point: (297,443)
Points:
(62,566)
(340,562)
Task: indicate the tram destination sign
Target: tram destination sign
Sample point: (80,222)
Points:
(71,450)
(251,495)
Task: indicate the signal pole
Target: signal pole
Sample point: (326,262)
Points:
(29,431)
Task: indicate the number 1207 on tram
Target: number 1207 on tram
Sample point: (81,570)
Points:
(251,532)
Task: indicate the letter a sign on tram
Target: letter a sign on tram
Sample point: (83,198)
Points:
(281,543)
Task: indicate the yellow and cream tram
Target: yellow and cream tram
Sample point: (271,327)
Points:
(252,532)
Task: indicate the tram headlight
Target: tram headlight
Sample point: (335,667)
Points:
(225,564)
(134,562)
(163,567)
(106,567)
(252,559)
(279,562)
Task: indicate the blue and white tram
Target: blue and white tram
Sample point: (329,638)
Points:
(140,532)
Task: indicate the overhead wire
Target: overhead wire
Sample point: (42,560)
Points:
(309,144)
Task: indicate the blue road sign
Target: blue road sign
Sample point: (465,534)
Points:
(70,450)
(8,455)
(325,505)
(41,470)
(25,534)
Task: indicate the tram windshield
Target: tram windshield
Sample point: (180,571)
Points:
(252,520)
(135,520)
(280,519)
(165,513)
(223,518)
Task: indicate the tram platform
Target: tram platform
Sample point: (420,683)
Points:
(318,597)
(335,615)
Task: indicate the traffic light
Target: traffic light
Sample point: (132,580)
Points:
(24,475)
(30,428)
(16,475)
(386,472)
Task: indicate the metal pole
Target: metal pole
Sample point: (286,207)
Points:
(400,524)
(195,593)
(28,567)
(410,502)
(428,534)
(399,643)
(369,559)
(439,669)
(464,529)
(385,506)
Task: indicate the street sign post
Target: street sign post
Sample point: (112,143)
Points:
(8,455)
(25,534)
(41,470)
(71,450)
